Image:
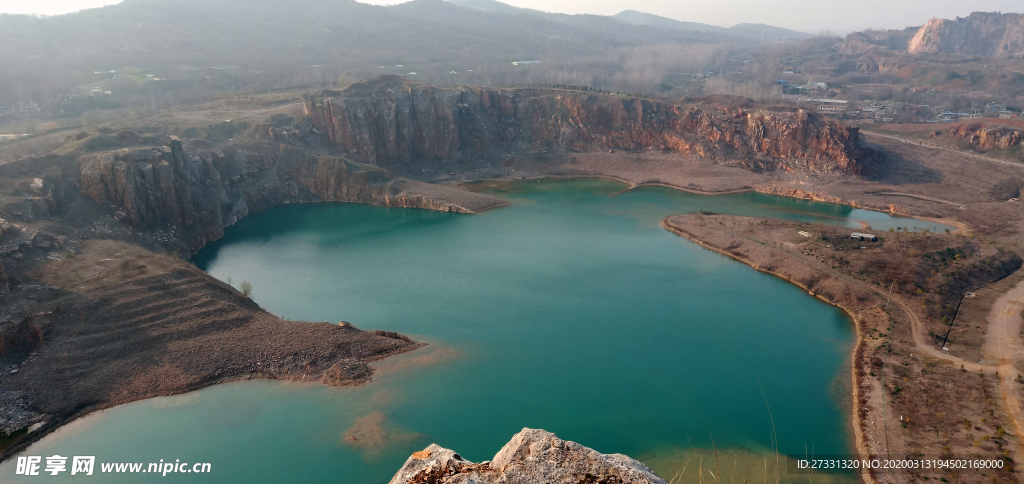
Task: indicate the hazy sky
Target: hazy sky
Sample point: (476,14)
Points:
(807,15)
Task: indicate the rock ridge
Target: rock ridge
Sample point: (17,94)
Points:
(980,33)
(986,138)
(390,122)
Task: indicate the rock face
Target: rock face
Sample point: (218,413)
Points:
(986,138)
(186,193)
(872,51)
(888,39)
(390,121)
(532,456)
(194,194)
(980,33)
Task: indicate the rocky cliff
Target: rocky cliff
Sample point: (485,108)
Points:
(888,39)
(191,195)
(873,51)
(982,34)
(986,138)
(532,456)
(390,122)
(182,194)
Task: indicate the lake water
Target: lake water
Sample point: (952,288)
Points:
(570,310)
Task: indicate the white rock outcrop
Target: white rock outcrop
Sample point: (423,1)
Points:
(532,456)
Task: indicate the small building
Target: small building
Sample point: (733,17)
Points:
(863,236)
(30,107)
(831,105)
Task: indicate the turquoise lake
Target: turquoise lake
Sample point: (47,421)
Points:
(571,310)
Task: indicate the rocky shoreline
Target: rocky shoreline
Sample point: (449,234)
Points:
(771,246)
(833,291)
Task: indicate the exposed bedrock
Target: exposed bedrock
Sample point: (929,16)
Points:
(185,194)
(388,120)
(987,138)
(531,456)
(980,33)
(193,195)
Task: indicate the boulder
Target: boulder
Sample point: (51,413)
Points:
(532,456)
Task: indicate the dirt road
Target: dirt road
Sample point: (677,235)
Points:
(1003,344)
(1002,341)
(958,152)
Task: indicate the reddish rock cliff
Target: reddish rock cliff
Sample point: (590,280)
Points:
(987,138)
(388,121)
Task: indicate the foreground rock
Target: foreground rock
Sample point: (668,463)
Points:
(532,456)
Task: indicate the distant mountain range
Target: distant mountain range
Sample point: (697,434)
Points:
(633,17)
(286,37)
(255,33)
(746,30)
(201,47)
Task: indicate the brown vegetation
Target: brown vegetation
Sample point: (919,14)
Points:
(908,401)
(121,324)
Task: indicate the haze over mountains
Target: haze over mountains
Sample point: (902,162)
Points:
(198,48)
(633,17)
(430,37)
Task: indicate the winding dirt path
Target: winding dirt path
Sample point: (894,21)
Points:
(1002,343)
(1002,340)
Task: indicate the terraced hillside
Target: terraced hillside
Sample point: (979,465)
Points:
(128,324)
